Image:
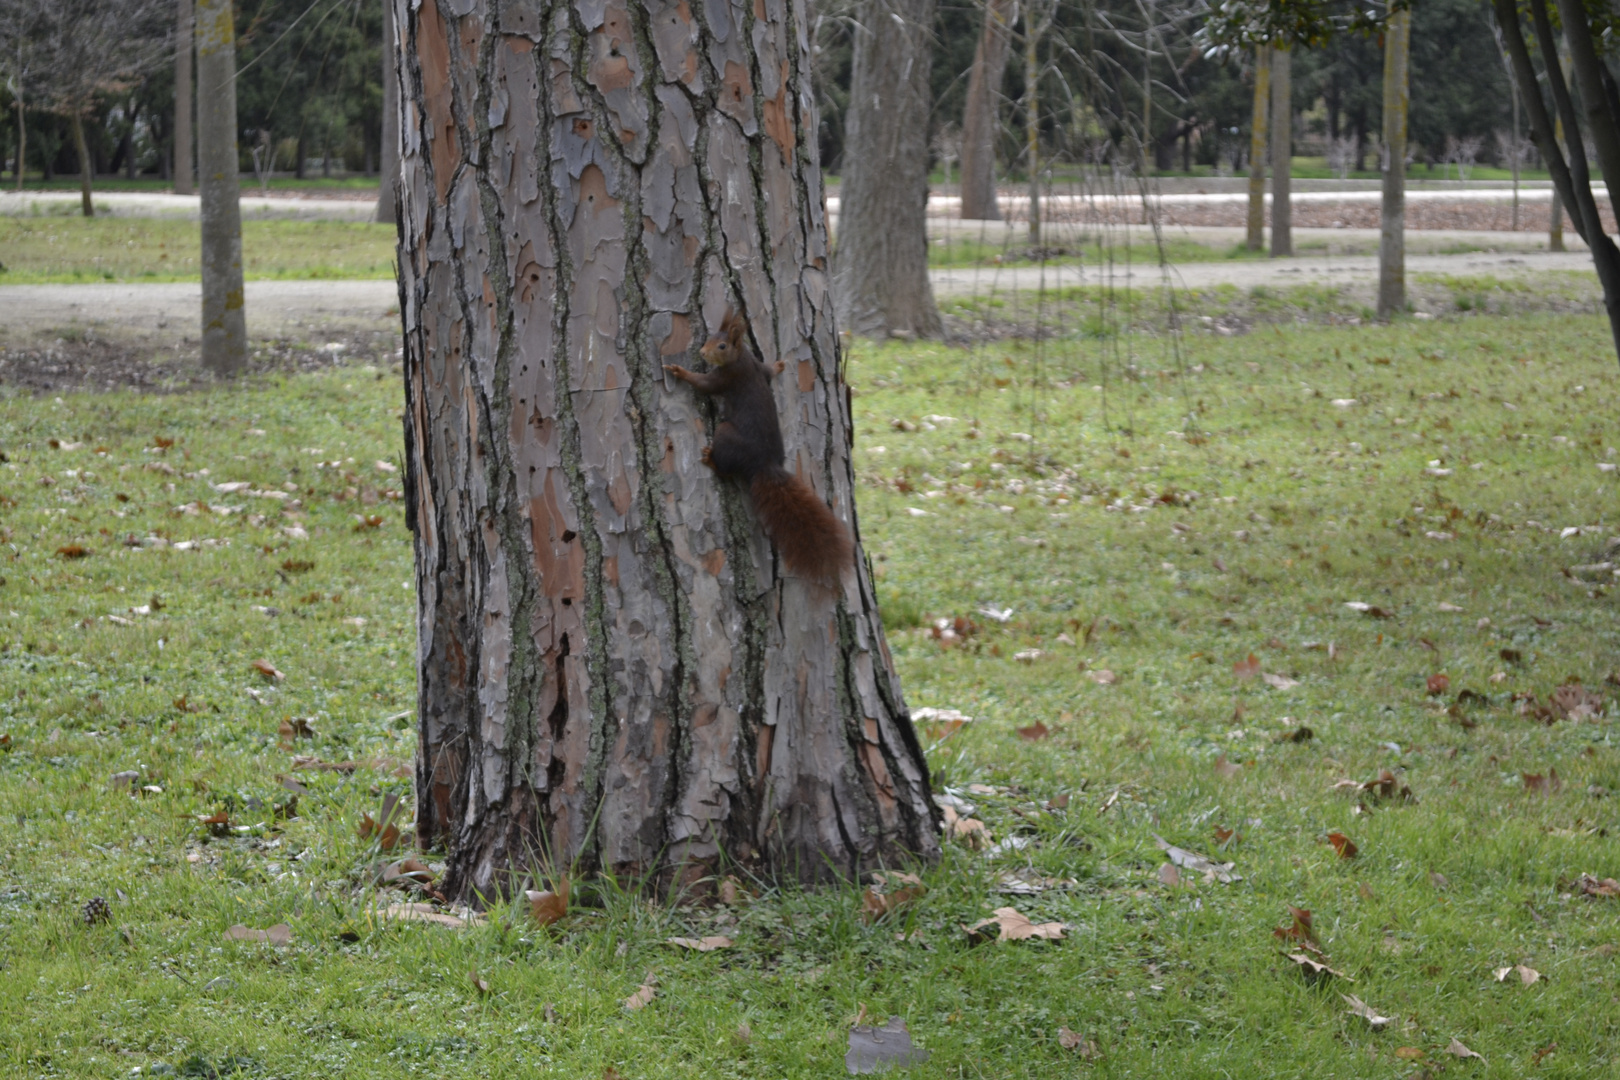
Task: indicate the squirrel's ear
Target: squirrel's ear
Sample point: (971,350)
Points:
(733,327)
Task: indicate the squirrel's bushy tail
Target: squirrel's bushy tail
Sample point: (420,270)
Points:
(812,541)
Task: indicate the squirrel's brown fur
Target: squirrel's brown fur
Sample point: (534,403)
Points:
(747,445)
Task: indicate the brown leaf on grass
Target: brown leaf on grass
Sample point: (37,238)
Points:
(1438,684)
(1366,1012)
(413,912)
(1550,1048)
(1439,880)
(550,905)
(1034,732)
(1343,845)
(1409,1053)
(409,869)
(279,934)
(643,995)
(1169,874)
(703,944)
(1102,677)
(1299,929)
(1458,1050)
(1073,1040)
(1573,701)
(268,670)
(1279,682)
(479,983)
(1607,888)
(1013,925)
(939,724)
(729,891)
(1314,970)
(1226,769)
(1529,976)
(294,728)
(897,890)
(73,551)
(1200,864)
(1223,836)
(367,827)
(1247,669)
(971,831)
(1545,785)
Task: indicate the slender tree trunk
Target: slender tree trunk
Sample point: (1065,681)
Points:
(130,170)
(1147,86)
(1555,213)
(224,322)
(1257,148)
(980,117)
(1392,217)
(1032,120)
(614,671)
(22,142)
(1282,151)
(389,165)
(1516,154)
(87,169)
(183,113)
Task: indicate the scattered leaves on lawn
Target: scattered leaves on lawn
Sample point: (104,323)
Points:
(892,891)
(479,983)
(279,934)
(1314,970)
(1279,682)
(1198,864)
(409,869)
(73,551)
(1169,874)
(1102,677)
(1366,1012)
(1073,1040)
(1013,925)
(1247,669)
(550,905)
(1384,786)
(1606,888)
(703,944)
(939,724)
(294,728)
(1370,609)
(1438,684)
(1439,880)
(1529,976)
(873,1049)
(1034,732)
(268,670)
(1458,1050)
(1226,769)
(1299,928)
(1543,785)
(1572,701)
(644,993)
(971,831)
(413,912)
(1343,845)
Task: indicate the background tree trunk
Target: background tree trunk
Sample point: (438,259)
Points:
(87,169)
(981,115)
(182,101)
(1392,215)
(224,321)
(614,671)
(1257,148)
(22,142)
(880,268)
(1282,153)
(1032,119)
(389,165)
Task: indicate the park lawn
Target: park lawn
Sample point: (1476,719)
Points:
(1123,511)
(74,250)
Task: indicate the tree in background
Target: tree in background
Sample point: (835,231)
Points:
(615,671)
(1392,160)
(224,322)
(1282,151)
(182,99)
(880,265)
(981,113)
(1259,138)
(388,158)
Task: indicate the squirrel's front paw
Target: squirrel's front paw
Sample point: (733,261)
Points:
(677,371)
(707,459)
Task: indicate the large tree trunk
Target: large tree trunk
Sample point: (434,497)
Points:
(1392,215)
(880,269)
(614,670)
(1282,153)
(1257,148)
(389,166)
(981,115)
(87,169)
(224,320)
(182,101)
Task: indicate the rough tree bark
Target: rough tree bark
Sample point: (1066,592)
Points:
(880,268)
(388,167)
(182,101)
(981,114)
(1257,148)
(1032,119)
(1282,151)
(22,142)
(87,169)
(614,670)
(1392,213)
(224,320)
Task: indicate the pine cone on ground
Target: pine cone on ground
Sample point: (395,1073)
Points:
(97,910)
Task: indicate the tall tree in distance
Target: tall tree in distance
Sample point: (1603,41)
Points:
(1282,152)
(183,111)
(981,120)
(880,266)
(1257,148)
(224,319)
(1392,214)
(388,165)
(615,670)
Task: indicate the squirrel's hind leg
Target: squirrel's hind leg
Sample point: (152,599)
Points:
(728,452)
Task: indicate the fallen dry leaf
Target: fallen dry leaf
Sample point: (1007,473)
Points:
(703,944)
(1409,1053)
(413,912)
(876,903)
(1102,677)
(1438,684)
(1458,1050)
(1343,845)
(1550,1048)
(549,906)
(1279,682)
(1169,874)
(1606,888)
(1200,864)
(1439,880)
(1529,976)
(1073,1040)
(1314,970)
(1013,925)
(1545,785)
(971,831)
(1299,929)
(873,1049)
(409,869)
(268,670)
(1226,769)
(1362,1009)
(1247,669)
(643,995)
(279,934)
(73,551)
(1573,701)
(479,983)
(1034,732)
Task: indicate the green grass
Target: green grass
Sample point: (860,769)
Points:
(1168,525)
(72,250)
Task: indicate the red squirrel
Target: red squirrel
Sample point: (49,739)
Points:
(747,445)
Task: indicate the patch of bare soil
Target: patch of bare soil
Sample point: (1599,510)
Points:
(91,364)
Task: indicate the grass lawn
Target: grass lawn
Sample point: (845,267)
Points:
(1143,527)
(43,250)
